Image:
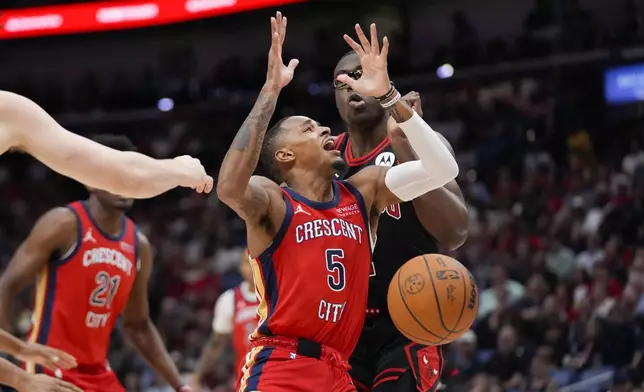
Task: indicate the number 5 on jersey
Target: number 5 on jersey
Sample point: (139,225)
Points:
(336,278)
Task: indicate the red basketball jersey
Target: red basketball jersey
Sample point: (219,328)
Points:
(312,281)
(80,294)
(244,320)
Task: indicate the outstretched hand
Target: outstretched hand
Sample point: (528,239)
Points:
(375,78)
(47,356)
(278,74)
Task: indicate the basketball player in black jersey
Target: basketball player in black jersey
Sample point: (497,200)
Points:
(384,360)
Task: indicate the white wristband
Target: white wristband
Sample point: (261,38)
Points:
(391,101)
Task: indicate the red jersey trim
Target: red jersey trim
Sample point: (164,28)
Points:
(108,236)
(338,140)
(352,161)
(266,277)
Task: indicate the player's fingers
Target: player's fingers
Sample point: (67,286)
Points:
(283,32)
(354,45)
(209,185)
(273,25)
(64,386)
(346,80)
(363,39)
(64,360)
(274,34)
(293,64)
(375,46)
(385,48)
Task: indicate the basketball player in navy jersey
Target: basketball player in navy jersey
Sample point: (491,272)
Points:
(384,360)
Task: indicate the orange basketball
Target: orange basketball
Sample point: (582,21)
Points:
(433,299)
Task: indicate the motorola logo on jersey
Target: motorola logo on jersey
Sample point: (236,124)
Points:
(328,228)
(108,256)
(385,159)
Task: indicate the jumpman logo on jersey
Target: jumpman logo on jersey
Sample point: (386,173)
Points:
(300,210)
(88,236)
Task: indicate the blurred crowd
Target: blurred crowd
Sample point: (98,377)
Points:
(554,184)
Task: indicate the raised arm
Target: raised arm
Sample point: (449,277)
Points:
(435,167)
(249,196)
(26,126)
(442,212)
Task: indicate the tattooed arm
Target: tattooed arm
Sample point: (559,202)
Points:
(237,187)
(250,196)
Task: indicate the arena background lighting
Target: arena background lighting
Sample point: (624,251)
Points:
(127,14)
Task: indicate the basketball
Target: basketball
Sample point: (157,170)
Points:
(433,299)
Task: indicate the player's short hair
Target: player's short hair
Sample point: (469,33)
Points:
(117,142)
(267,155)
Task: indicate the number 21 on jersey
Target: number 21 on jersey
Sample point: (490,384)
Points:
(105,291)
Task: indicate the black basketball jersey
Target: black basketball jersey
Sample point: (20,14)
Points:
(400,235)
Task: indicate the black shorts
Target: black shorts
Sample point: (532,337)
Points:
(386,361)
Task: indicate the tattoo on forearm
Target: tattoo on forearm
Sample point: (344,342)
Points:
(251,133)
(401,112)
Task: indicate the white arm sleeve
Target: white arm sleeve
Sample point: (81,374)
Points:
(224,312)
(435,168)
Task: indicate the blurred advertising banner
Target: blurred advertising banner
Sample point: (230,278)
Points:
(126,14)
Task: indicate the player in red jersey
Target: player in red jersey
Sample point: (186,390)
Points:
(312,235)
(235,319)
(92,265)
(13,376)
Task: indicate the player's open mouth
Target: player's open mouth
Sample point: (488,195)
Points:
(356,101)
(328,144)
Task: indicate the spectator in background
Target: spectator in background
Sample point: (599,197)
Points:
(590,256)
(508,363)
(463,360)
(560,259)
(502,292)
(539,378)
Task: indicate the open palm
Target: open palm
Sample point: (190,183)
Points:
(375,78)
(278,74)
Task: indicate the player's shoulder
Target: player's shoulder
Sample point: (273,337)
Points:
(57,227)
(266,183)
(367,176)
(141,238)
(61,218)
